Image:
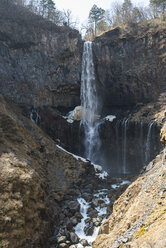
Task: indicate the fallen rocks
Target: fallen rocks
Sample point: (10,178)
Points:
(61,239)
(74,238)
(83,213)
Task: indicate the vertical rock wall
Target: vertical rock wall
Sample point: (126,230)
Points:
(130,65)
(40,62)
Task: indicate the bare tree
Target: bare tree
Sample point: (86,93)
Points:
(126,13)
(116,13)
(87,30)
(68,19)
(102,26)
(108,18)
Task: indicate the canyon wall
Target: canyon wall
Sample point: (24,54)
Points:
(36,176)
(139,215)
(163,135)
(40,62)
(130,65)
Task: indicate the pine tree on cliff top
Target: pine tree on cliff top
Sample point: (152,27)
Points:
(96,14)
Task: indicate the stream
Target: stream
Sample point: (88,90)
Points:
(84,211)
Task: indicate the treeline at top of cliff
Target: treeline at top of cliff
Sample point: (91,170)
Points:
(124,14)
(137,31)
(28,15)
(45,12)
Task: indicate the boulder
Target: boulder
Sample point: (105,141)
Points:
(74,206)
(61,239)
(84,242)
(89,228)
(74,238)
(63,245)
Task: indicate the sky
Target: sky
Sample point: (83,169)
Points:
(81,8)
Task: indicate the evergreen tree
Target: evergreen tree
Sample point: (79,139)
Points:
(50,9)
(47,8)
(43,6)
(34,6)
(96,14)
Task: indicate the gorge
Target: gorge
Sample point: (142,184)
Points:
(82,135)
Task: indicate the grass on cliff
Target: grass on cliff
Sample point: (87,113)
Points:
(122,26)
(141,231)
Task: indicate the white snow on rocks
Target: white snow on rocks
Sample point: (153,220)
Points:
(115,186)
(110,118)
(101,174)
(75,156)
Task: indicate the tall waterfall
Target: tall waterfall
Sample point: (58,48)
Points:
(89,103)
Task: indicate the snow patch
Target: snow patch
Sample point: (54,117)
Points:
(110,118)
(115,186)
(97,167)
(102,175)
(73,115)
(75,156)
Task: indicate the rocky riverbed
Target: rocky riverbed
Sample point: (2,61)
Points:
(85,208)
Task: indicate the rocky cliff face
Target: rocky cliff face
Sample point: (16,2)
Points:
(139,215)
(35,177)
(132,138)
(130,65)
(39,61)
(163,135)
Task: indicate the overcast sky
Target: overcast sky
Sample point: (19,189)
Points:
(81,8)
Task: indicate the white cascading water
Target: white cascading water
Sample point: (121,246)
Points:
(141,142)
(100,195)
(89,103)
(79,228)
(34,116)
(147,150)
(124,126)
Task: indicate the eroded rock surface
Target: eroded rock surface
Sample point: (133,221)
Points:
(35,176)
(139,215)
(130,64)
(155,110)
(40,62)
(163,135)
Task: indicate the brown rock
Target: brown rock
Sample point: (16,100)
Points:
(163,135)
(139,215)
(26,174)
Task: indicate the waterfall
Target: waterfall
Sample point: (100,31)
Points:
(89,103)
(148,140)
(124,126)
(141,142)
(34,116)
(117,143)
